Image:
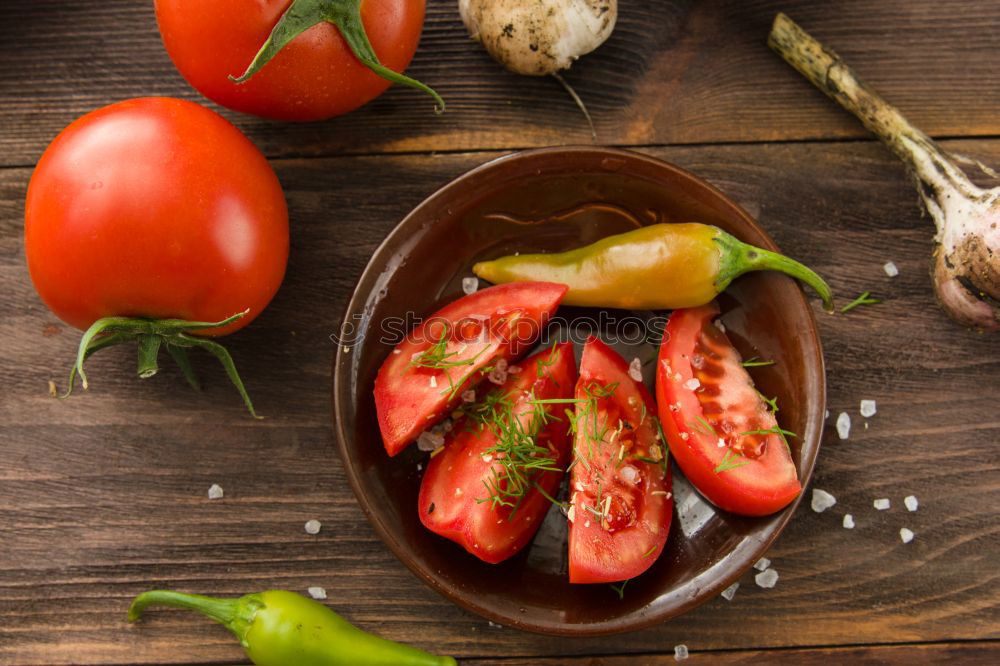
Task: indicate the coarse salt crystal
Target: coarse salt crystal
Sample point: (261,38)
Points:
(571,514)
(313,526)
(906,535)
(868,408)
(317,592)
(470,285)
(685,436)
(692,384)
(215,491)
(848,521)
(881,504)
(719,325)
(826,414)
(397,351)
(434,381)
(767,578)
(762,564)
(635,369)
(890,269)
(495,625)
(721,443)
(498,375)
(680,652)
(844,425)
(458,492)
(487,457)
(468,396)
(730,591)
(822,500)
(429,440)
(911,502)
(630,474)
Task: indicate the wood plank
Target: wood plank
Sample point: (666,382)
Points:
(964,653)
(103,495)
(672,72)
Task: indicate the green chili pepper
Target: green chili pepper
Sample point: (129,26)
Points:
(279,628)
(659,266)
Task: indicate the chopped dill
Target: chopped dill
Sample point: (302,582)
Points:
(730,461)
(755,362)
(863,299)
(620,588)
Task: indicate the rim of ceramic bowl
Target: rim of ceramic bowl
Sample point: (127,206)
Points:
(814,369)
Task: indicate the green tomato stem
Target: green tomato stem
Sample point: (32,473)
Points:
(346,16)
(149,349)
(739,258)
(151,334)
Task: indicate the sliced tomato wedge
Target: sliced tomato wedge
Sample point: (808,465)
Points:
(453,350)
(481,490)
(620,490)
(720,430)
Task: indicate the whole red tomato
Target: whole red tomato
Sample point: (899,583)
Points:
(313,77)
(155,208)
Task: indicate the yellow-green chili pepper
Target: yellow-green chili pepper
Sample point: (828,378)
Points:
(659,266)
(279,628)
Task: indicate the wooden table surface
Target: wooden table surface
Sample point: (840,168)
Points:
(103,495)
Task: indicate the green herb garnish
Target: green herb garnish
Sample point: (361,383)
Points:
(755,362)
(863,299)
(620,588)
(730,461)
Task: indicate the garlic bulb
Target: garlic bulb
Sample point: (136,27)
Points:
(966,265)
(539,37)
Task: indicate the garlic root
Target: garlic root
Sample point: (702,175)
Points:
(966,265)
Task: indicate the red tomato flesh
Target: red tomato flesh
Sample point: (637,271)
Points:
(456,490)
(456,345)
(708,405)
(620,491)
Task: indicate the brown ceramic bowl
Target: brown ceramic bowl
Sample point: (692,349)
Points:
(548,200)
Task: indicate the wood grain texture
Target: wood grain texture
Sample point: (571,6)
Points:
(103,495)
(963,653)
(674,71)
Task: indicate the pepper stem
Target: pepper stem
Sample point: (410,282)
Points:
(346,15)
(739,258)
(223,611)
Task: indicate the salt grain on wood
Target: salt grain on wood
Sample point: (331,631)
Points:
(906,535)
(848,521)
(844,425)
(767,578)
(867,408)
(317,592)
(470,285)
(635,369)
(822,500)
(313,526)
(881,504)
(680,652)
(890,269)
(215,491)
(911,502)
(762,564)
(730,592)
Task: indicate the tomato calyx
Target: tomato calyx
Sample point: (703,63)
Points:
(346,16)
(151,335)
